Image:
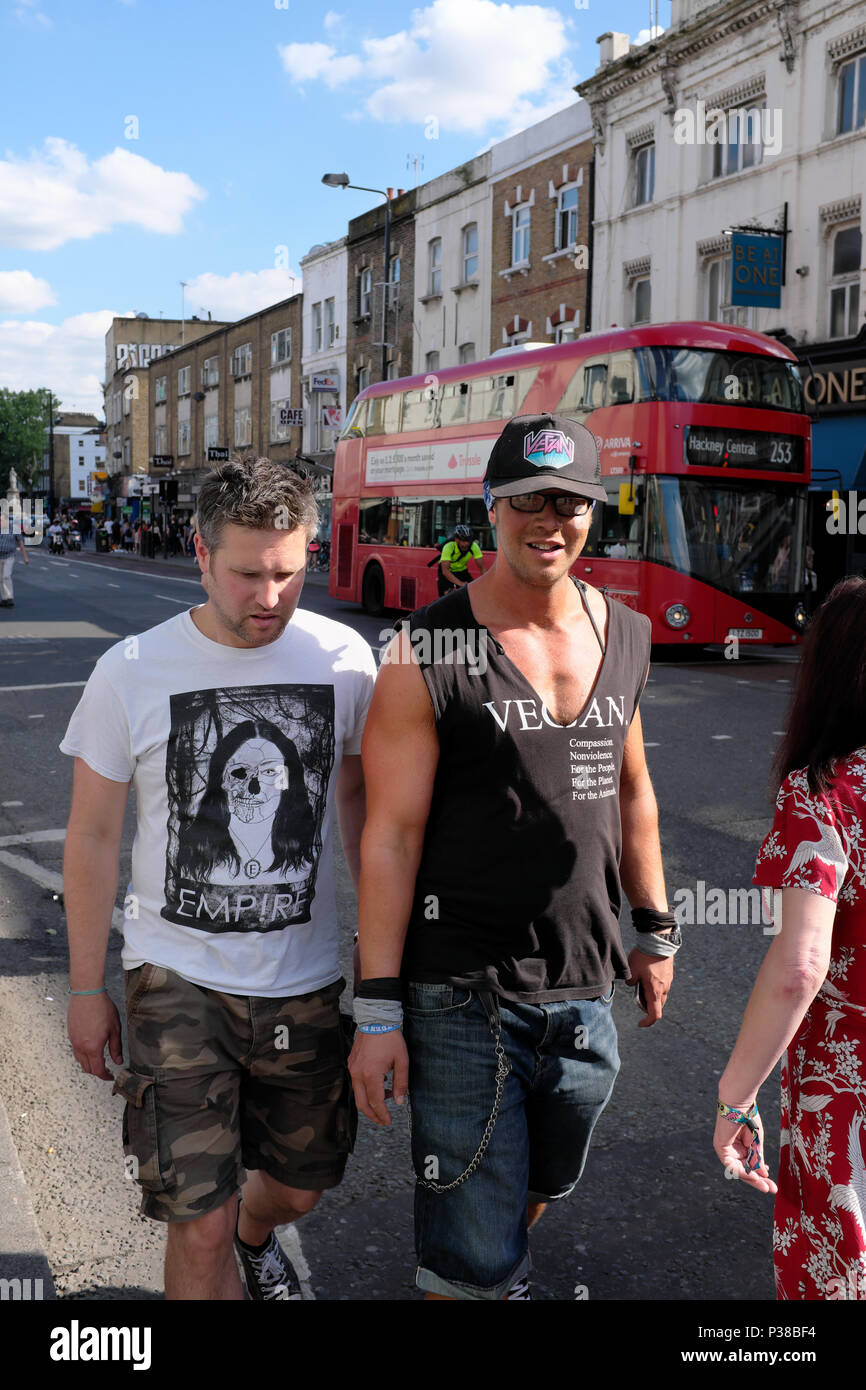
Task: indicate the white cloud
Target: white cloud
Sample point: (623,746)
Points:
(68,357)
(58,195)
(241,293)
(22,293)
(306,62)
(27,13)
(333,20)
(646,34)
(466,62)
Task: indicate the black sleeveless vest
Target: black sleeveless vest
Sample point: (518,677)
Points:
(518,889)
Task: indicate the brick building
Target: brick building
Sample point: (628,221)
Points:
(540,183)
(231,390)
(365,244)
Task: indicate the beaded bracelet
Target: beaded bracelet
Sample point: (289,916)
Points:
(747,1118)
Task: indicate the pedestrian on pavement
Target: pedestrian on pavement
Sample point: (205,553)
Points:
(11,541)
(239,724)
(115,534)
(454,560)
(809,1000)
(491,881)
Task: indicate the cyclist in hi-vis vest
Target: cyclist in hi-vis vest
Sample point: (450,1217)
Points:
(454,560)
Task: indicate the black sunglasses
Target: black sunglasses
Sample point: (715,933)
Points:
(564,504)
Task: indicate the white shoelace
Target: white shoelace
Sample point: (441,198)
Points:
(271,1275)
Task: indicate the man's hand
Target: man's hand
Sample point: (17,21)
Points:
(92,1022)
(656,975)
(374,1055)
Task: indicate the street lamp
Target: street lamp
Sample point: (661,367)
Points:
(342,181)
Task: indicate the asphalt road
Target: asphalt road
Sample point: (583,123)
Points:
(653,1218)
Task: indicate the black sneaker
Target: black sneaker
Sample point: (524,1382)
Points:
(268,1273)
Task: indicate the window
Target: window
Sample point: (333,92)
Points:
(454,403)
(641,301)
(363,378)
(383,415)
(281,345)
(160,439)
(127,451)
(851,96)
(565,332)
(419,408)
(520,236)
(330,323)
(365,288)
(317,328)
(743,148)
(467,352)
(470,252)
(159,388)
(620,381)
(242,359)
(395,270)
(80,459)
(845,283)
(586,390)
(566,218)
(211,431)
(644,174)
(391,370)
(210,372)
(183,377)
(243,426)
(280,431)
(183,436)
(434,258)
(501,396)
(431,362)
(719,307)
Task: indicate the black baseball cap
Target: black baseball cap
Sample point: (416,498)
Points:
(535,452)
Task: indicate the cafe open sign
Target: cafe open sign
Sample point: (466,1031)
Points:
(756,270)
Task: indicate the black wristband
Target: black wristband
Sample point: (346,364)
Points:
(648,919)
(389,987)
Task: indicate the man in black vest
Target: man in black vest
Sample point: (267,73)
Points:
(508,800)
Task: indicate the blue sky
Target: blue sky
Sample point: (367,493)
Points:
(145,142)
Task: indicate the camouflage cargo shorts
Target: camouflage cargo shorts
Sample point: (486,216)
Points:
(221,1082)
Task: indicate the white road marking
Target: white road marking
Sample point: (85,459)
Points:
(11,803)
(652,745)
(32,837)
(136,574)
(46,878)
(169,599)
(56,629)
(36,716)
(717,737)
(113,586)
(291,1243)
(61,685)
(779,732)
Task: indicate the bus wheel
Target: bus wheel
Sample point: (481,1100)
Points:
(373,591)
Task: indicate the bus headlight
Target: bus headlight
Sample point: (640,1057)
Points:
(800,617)
(677,615)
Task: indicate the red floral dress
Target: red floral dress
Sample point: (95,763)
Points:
(819,1228)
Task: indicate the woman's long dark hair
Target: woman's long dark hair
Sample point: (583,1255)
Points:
(205,841)
(828,712)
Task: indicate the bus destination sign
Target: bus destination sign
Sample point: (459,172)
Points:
(715,448)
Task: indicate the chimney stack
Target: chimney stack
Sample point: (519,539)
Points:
(612,46)
(400,192)
(390,193)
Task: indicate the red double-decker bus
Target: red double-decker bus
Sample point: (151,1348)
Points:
(705,455)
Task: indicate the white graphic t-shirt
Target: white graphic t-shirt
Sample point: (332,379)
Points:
(233,753)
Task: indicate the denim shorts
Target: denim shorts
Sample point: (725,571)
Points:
(472,1242)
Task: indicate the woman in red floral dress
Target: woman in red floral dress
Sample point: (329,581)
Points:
(810,994)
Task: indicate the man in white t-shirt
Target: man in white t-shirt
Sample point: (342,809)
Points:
(239,724)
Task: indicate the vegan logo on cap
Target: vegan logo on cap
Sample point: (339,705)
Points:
(548,449)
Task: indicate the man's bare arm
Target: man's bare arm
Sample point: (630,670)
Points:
(641,868)
(90,872)
(400,752)
(350,811)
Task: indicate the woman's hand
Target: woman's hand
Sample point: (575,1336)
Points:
(732,1143)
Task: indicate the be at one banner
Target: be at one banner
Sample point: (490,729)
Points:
(756,270)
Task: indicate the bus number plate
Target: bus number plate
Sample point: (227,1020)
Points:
(746,634)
